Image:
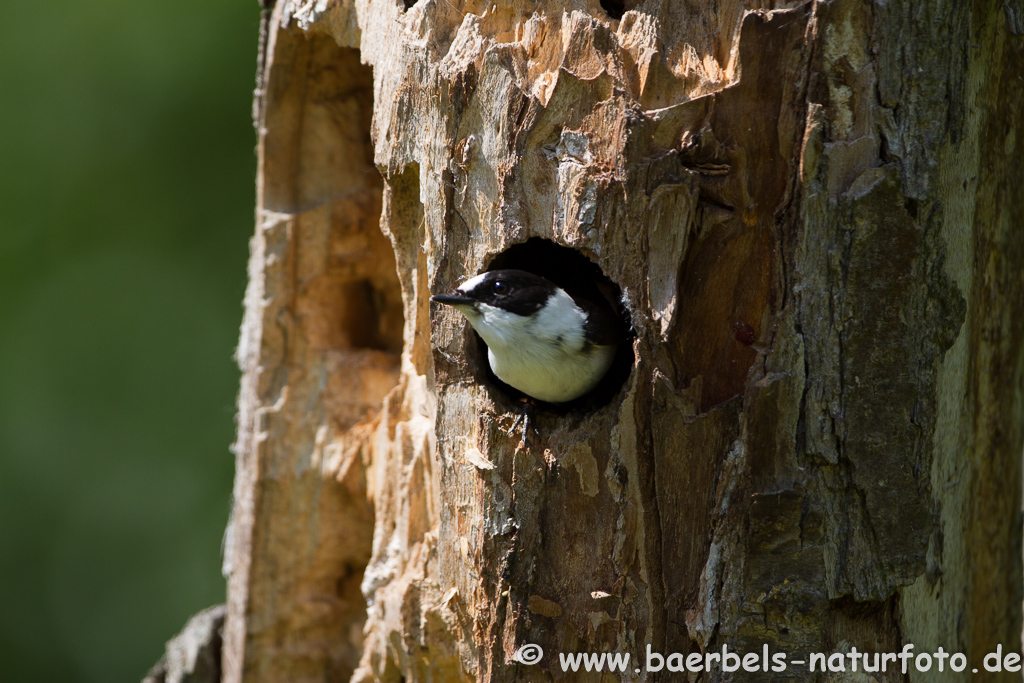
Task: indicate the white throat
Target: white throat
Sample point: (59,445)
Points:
(544,355)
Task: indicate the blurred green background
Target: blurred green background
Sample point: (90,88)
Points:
(126,204)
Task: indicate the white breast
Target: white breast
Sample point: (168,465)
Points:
(544,355)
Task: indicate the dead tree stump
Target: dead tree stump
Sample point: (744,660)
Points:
(811,213)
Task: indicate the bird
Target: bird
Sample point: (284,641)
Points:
(552,345)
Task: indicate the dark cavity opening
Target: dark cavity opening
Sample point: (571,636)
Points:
(574,272)
(371,314)
(614,8)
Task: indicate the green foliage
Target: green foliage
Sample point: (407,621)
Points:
(126,195)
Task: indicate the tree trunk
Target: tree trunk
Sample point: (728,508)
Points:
(814,444)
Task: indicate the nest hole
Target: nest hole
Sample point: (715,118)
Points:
(572,271)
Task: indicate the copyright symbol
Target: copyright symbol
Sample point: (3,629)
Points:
(529,654)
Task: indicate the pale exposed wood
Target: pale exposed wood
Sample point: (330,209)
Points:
(813,213)
(194,655)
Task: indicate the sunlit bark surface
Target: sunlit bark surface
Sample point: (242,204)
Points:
(812,212)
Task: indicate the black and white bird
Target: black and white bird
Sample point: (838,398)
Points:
(551,345)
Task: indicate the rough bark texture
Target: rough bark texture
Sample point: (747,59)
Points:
(812,210)
(194,655)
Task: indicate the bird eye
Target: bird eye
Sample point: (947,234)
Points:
(500,287)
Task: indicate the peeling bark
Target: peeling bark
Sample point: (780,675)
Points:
(809,210)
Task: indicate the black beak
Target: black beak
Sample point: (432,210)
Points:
(452,299)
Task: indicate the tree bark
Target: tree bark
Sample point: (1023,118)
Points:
(812,213)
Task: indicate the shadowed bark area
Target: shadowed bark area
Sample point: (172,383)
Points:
(808,211)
